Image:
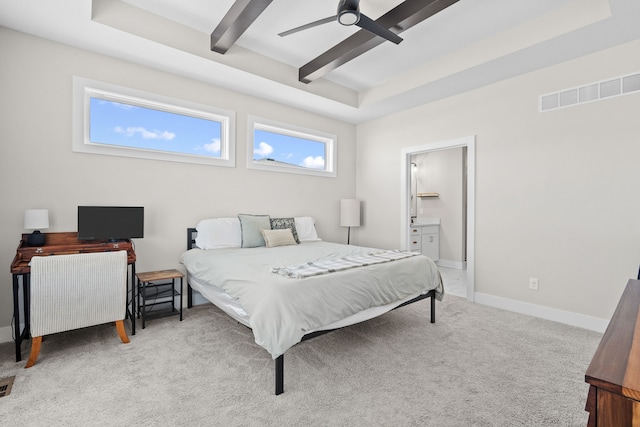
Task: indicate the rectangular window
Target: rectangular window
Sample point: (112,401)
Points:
(287,148)
(119,121)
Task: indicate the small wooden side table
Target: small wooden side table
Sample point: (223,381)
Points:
(157,292)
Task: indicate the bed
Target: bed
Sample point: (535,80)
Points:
(275,276)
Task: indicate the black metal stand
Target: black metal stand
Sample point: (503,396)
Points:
(280,374)
(131,306)
(156,298)
(21,335)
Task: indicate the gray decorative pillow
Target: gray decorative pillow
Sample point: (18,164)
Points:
(280,223)
(250,226)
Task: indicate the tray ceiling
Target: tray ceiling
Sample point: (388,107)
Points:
(469,44)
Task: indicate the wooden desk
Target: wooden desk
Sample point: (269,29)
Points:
(614,372)
(58,244)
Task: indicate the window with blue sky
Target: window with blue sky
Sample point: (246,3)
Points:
(119,121)
(292,150)
(288,148)
(126,125)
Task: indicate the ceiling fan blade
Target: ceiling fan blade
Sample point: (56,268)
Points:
(372,26)
(309,25)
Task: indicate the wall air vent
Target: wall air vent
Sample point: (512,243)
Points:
(596,91)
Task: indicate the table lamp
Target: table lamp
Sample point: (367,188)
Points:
(36,220)
(349,215)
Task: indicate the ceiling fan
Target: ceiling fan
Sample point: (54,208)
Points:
(349,14)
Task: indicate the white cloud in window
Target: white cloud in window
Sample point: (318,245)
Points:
(263,149)
(214,147)
(146,134)
(313,162)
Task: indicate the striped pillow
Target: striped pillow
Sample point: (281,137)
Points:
(281,237)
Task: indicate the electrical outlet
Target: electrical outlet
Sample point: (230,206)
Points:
(533,283)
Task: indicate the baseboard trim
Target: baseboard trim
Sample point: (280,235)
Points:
(460,265)
(543,312)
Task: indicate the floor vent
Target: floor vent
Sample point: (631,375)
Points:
(591,92)
(5,386)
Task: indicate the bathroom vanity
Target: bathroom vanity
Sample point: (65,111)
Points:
(425,237)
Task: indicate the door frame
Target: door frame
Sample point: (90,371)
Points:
(470,143)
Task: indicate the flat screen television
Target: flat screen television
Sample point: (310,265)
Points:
(110,222)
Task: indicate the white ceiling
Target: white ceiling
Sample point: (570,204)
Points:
(470,44)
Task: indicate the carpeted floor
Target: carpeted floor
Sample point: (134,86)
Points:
(476,366)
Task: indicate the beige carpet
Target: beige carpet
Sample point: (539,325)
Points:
(476,366)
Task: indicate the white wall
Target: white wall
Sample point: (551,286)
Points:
(38,168)
(556,193)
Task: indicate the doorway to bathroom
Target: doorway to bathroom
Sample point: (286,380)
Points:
(438,187)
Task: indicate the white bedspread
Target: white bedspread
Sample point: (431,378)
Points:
(283,309)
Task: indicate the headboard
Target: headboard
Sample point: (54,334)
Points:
(191,243)
(191,237)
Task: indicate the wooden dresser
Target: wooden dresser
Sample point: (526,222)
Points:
(614,372)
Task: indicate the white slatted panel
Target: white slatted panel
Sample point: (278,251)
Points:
(74,291)
(596,91)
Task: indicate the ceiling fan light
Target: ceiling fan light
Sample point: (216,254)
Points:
(348,17)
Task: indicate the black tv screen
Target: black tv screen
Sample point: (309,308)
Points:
(110,222)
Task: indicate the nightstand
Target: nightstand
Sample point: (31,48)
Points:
(157,293)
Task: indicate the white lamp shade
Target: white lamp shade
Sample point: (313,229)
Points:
(36,219)
(349,213)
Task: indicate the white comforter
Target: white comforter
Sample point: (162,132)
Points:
(282,309)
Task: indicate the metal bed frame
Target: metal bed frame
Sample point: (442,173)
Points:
(279,361)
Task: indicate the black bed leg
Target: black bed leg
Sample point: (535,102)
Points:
(280,374)
(189,295)
(433,308)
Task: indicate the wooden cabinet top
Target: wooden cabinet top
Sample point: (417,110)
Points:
(62,244)
(151,276)
(615,367)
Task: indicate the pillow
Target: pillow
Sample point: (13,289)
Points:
(280,237)
(280,223)
(306,229)
(218,233)
(250,226)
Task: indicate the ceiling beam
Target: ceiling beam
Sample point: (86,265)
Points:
(239,17)
(400,18)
